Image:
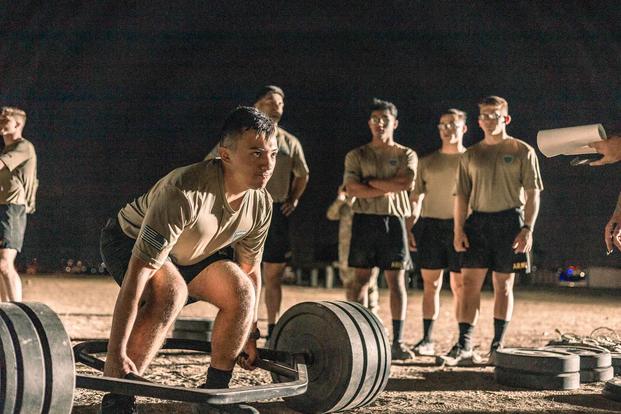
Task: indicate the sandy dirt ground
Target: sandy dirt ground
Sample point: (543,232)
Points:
(85,305)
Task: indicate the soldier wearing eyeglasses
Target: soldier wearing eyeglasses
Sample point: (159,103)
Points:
(499,179)
(379,175)
(432,209)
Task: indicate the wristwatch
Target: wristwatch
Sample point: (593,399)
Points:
(254,335)
(526,226)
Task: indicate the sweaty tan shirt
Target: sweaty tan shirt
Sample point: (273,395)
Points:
(436,180)
(18,181)
(185,215)
(493,177)
(289,160)
(367,162)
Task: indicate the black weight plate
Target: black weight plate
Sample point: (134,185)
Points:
(29,358)
(371,362)
(590,356)
(8,373)
(596,374)
(196,324)
(198,336)
(612,389)
(533,381)
(541,361)
(58,358)
(337,357)
(378,354)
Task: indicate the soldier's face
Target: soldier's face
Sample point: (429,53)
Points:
(253,159)
(8,124)
(272,105)
(451,129)
(382,123)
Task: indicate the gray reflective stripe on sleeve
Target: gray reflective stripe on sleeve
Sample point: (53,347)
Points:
(153,238)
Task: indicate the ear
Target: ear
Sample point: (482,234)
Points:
(224,154)
(507,119)
(465,128)
(396,123)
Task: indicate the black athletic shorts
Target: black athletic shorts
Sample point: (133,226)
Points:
(435,245)
(491,238)
(116,250)
(12,226)
(379,241)
(277,245)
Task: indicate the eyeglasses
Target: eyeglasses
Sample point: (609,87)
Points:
(490,117)
(449,126)
(377,119)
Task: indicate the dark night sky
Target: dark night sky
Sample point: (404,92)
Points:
(120,95)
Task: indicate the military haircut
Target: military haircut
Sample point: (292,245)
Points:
(497,101)
(15,112)
(242,119)
(461,115)
(381,105)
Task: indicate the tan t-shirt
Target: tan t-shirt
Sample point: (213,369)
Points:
(290,160)
(436,180)
(18,181)
(186,215)
(368,162)
(493,177)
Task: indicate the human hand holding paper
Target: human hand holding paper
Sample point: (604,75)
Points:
(609,148)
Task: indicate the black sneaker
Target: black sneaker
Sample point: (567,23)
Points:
(118,404)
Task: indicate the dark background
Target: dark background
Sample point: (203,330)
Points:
(118,95)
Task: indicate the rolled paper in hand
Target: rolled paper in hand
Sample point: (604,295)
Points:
(570,141)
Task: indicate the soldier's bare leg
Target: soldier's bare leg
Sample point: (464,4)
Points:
(272,275)
(11,282)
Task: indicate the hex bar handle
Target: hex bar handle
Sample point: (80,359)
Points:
(136,385)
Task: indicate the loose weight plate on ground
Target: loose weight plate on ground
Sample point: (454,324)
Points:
(537,361)
(29,394)
(197,328)
(347,352)
(57,358)
(537,381)
(595,361)
(590,356)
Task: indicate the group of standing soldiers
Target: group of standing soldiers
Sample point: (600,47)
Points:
(475,211)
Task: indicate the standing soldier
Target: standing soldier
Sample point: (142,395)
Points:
(286,187)
(432,201)
(499,179)
(341,210)
(380,174)
(18,187)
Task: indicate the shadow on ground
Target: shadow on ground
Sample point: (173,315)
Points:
(446,381)
(595,401)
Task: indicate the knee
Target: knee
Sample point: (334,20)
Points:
(5,266)
(242,298)
(432,286)
(504,288)
(167,301)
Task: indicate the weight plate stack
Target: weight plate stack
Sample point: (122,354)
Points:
(538,369)
(595,361)
(347,352)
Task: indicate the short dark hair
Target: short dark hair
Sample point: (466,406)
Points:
(242,119)
(268,89)
(494,100)
(380,105)
(457,112)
